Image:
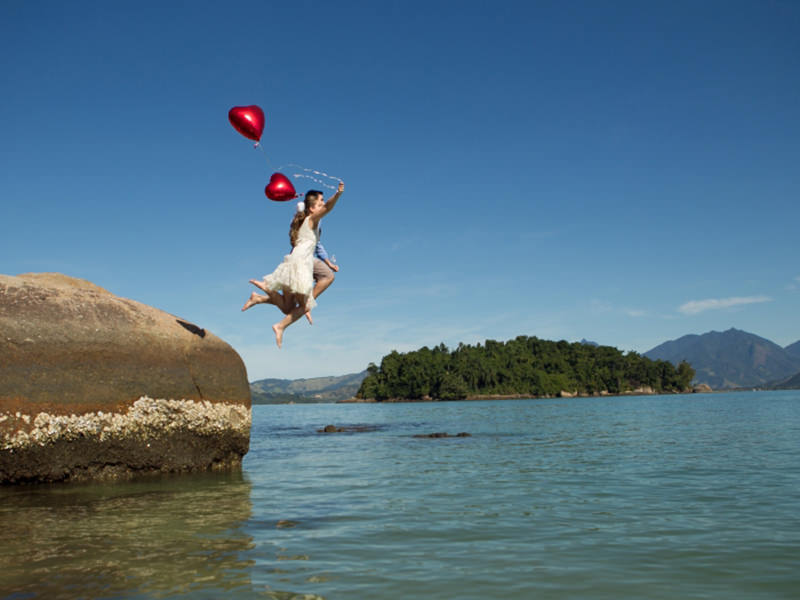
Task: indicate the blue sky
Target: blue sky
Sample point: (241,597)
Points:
(625,172)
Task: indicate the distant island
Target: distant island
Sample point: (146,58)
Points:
(522,367)
(723,361)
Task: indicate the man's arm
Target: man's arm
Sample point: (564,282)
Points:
(331,202)
(320,252)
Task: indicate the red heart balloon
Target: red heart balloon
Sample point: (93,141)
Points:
(280,188)
(247,120)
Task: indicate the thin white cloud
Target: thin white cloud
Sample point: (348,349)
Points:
(694,307)
(600,306)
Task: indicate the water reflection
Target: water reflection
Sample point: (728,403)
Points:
(154,538)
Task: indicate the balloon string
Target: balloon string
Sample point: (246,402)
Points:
(314,176)
(258,145)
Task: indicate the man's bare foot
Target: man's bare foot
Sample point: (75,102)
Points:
(259,283)
(308,316)
(278,333)
(254,299)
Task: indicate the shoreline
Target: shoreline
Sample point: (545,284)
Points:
(563,394)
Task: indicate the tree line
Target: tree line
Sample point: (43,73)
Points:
(522,366)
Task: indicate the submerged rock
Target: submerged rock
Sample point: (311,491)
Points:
(285,524)
(347,429)
(96,386)
(442,434)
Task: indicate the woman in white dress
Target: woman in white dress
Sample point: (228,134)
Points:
(294,277)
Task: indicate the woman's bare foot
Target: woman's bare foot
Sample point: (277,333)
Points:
(308,316)
(278,333)
(254,299)
(259,283)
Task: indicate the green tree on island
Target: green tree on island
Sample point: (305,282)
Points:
(522,366)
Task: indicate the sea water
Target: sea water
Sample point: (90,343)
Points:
(683,496)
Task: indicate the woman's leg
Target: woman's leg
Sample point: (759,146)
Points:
(295,314)
(280,300)
(272,297)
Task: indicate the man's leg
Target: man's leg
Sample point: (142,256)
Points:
(323,277)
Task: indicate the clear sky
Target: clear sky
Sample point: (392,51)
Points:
(622,171)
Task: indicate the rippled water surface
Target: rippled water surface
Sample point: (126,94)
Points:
(639,497)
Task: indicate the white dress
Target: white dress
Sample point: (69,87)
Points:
(296,272)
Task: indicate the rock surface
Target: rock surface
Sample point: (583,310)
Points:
(94,385)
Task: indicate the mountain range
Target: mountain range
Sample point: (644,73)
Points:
(721,359)
(793,349)
(733,359)
(793,383)
(314,389)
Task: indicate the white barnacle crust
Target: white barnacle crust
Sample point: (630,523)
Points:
(145,420)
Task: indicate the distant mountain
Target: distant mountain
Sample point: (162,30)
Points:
(793,349)
(589,342)
(792,383)
(315,389)
(730,359)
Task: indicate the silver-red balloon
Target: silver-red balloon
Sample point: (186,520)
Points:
(280,188)
(247,120)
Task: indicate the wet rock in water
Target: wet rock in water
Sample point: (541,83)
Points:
(347,429)
(285,524)
(97,386)
(330,429)
(279,595)
(442,434)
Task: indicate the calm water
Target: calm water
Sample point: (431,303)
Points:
(649,497)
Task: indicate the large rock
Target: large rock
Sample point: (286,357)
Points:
(93,385)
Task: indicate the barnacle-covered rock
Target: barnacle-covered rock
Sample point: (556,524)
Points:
(94,385)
